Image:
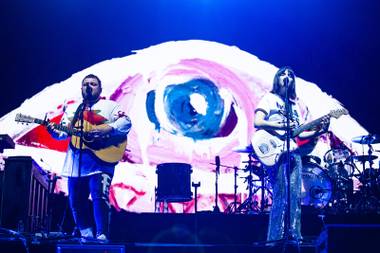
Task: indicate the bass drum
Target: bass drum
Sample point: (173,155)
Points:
(316,186)
(174,182)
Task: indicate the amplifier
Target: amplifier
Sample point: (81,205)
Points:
(24,195)
(349,238)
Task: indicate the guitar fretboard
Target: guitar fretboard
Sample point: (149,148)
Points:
(60,127)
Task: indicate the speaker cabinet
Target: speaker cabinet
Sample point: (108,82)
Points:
(349,238)
(24,195)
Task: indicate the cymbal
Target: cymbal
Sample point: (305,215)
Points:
(367,139)
(248,149)
(364,158)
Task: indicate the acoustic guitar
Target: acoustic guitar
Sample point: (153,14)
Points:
(107,148)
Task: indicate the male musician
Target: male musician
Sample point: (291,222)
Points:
(99,124)
(270,115)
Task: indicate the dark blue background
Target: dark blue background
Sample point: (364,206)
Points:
(335,43)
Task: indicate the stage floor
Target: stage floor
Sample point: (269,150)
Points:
(208,232)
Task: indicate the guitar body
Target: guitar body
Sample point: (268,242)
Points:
(111,154)
(268,147)
(109,151)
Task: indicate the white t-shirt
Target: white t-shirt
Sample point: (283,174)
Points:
(274,108)
(103,112)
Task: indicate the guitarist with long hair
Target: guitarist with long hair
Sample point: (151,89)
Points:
(270,120)
(98,130)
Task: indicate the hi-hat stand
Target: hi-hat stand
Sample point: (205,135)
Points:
(249,205)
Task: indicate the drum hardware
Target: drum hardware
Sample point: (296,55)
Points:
(231,208)
(235,188)
(340,170)
(367,139)
(337,155)
(367,198)
(195,185)
(364,158)
(217,172)
(173,184)
(311,158)
(247,204)
(317,186)
(326,189)
(253,167)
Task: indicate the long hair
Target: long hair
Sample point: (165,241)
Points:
(292,85)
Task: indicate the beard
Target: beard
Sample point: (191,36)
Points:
(90,96)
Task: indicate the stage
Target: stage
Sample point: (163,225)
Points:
(207,232)
(191,77)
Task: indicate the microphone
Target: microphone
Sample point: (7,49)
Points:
(88,89)
(286,81)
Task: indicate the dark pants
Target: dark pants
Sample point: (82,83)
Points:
(79,189)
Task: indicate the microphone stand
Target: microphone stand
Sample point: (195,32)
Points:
(288,113)
(217,169)
(287,235)
(235,188)
(81,118)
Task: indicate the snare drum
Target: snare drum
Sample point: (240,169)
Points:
(336,155)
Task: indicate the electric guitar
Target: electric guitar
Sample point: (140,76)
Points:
(269,145)
(105,147)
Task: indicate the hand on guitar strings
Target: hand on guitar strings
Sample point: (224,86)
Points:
(51,128)
(98,134)
(323,127)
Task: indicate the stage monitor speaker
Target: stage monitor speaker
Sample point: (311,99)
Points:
(24,195)
(84,248)
(349,238)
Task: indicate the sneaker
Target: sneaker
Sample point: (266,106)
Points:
(87,233)
(102,238)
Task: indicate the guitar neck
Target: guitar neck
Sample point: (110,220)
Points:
(309,125)
(68,130)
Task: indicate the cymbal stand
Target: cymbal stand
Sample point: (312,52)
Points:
(235,187)
(369,200)
(217,171)
(248,205)
(370,151)
(196,185)
(263,188)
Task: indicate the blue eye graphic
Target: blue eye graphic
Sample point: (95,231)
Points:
(194,109)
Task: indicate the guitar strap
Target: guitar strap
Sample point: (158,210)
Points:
(76,114)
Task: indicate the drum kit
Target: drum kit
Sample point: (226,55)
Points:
(328,187)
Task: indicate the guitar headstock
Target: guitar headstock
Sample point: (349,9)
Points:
(338,112)
(24,118)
